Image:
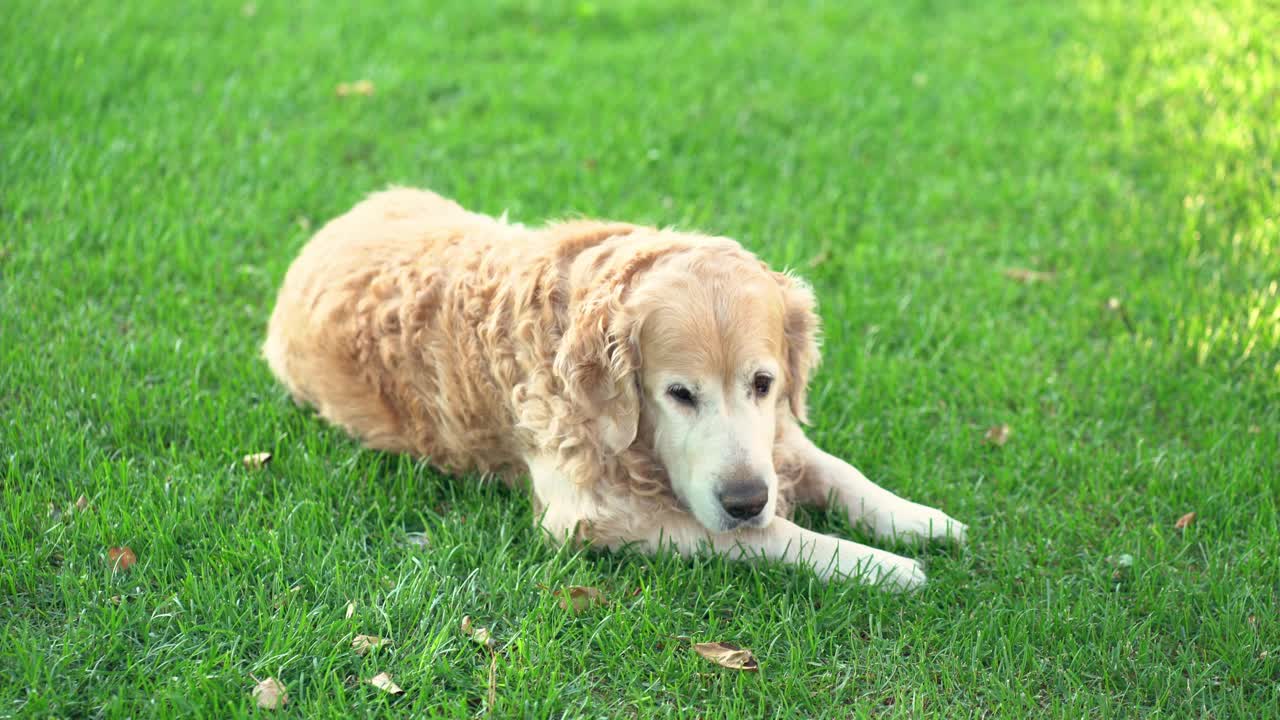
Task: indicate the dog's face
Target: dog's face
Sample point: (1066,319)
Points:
(693,346)
(716,374)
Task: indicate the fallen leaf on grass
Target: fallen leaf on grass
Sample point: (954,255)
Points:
(256,461)
(351,609)
(727,655)
(577,598)
(997,435)
(121,558)
(478,635)
(1027,277)
(82,503)
(1184,521)
(383,682)
(364,643)
(359,87)
(270,694)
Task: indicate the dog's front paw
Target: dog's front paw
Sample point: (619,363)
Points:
(912,521)
(877,567)
(940,526)
(903,575)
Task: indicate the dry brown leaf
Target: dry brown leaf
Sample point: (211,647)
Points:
(997,435)
(270,694)
(577,598)
(1184,521)
(82,503)
(255,461)
(364,643)
(121,558)
(478,635)
(1023,275)
(116,599)
(383,682)
(727,655)
(351,609)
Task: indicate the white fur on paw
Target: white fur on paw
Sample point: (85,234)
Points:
(892,572)
(919,522)
(904,575)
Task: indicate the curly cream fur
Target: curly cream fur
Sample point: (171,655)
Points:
(420,327)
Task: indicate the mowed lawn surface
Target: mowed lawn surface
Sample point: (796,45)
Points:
(161,163)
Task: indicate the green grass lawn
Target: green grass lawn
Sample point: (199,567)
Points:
(161,163)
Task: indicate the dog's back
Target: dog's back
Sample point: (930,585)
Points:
(354,304)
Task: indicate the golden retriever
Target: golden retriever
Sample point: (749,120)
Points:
(651,383)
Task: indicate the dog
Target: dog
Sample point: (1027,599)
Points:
(649,383)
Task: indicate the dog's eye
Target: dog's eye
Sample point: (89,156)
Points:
(682,395)
(763,383)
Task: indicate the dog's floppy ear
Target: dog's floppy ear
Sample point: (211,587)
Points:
(801,328)
(597,361)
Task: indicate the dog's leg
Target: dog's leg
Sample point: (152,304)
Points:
(886,514)
(559,504)
(782,540)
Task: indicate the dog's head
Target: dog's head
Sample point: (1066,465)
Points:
(697,347)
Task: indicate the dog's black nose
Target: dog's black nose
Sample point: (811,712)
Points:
(744,500)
